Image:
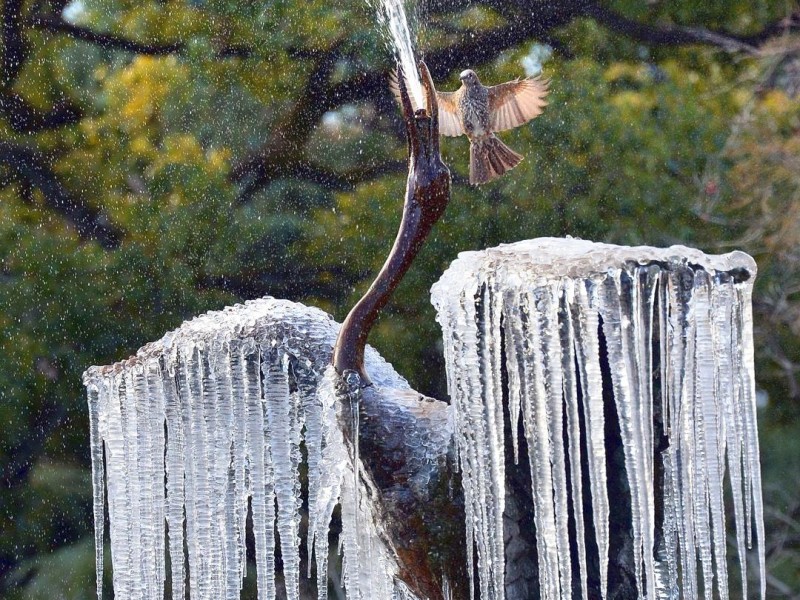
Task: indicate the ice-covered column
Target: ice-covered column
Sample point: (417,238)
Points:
(629,374)
(218,409)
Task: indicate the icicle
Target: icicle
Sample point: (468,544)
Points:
(587,323)
(488,323)
(543,430)
(325,480)
(725,343)
(283,430)
(747,409)
(200,518)
(151,448)
(554,384)
(98,478)
(682,355)
(352,391)
(228,461)
(481,445)
(306,380)
(645,288)
(175,480)
(261,484)
(570,391)
(620,302)
(237,498)
(667,567)
(136,479)
(447,316)
(511,314)
(117,485)
(708,400)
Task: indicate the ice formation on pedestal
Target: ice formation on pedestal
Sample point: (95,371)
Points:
(221,406)
(672,329)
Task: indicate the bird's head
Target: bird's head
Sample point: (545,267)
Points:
(468,77)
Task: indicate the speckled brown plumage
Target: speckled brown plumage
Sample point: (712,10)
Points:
(478,112)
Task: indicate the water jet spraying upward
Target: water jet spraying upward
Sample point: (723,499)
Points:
(392,16)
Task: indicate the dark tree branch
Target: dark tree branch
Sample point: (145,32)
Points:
(285,146)
(57,25)
(517,12)
(14,47)
(109,41)
(484,46)
(679,36)
(32,167)
(782,26)
(473,51)
(24,118)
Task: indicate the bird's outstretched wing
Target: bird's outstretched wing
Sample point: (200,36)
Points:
(449,122)
(516,102)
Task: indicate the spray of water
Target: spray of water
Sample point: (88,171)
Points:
(392,16)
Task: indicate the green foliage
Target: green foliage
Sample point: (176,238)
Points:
(639,144)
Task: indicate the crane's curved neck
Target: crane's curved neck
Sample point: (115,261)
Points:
(427,194)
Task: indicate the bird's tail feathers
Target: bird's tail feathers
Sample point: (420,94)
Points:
(489,158)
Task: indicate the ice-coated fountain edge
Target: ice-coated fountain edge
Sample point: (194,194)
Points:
(239,322)
(574,257)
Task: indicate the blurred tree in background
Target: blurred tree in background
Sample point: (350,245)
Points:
(161,158)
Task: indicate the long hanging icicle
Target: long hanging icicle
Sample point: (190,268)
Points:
(666,333)
(220,407)
(587,357)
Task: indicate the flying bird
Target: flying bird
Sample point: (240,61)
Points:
(479,112)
